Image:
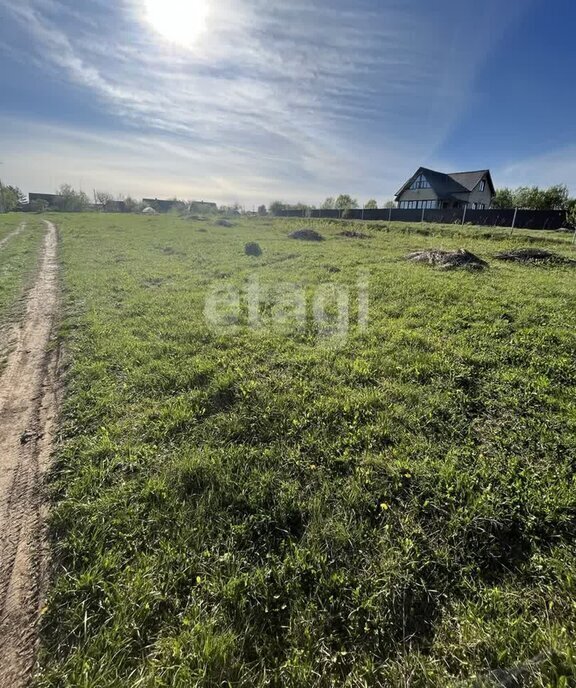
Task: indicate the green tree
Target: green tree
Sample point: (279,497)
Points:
(390,204)
(372,204)
(10,198)
(328,204)
(71,201)
(504,198)
(277,207)
(557,197)
(262,210)
(529,197)
(345,202)
(571,213)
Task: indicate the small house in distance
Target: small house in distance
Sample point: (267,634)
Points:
(51,200)
(203,206)
(431,189)
(161,206)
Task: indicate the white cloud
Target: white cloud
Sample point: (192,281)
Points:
(154,165)
(556,167)
(290,99)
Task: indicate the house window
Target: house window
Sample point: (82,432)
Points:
(419,205)
(423,205)
(420,183)
(481,206)
(474,206)
(482,185)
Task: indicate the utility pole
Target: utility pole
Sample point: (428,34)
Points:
(514,221)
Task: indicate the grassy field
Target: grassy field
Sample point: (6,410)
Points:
(18,259)
(272,506)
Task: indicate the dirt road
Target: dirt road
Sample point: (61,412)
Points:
(28,396)
(6,239)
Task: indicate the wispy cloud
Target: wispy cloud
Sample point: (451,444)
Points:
(555,167)
(301,98)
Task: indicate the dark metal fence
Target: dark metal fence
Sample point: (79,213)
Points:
(521,219)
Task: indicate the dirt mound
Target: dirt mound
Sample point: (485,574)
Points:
(224,223)
(534,255)
(252,249)
(448,260)
(352,234)
(306,235)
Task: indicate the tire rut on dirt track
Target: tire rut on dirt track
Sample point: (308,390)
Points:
(28,403)
(6,239)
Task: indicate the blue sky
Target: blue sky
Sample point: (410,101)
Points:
(284,99)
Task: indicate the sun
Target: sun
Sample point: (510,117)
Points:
(178,21)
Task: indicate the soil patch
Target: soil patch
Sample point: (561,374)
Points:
(537,256)
(306,234)
(448,260)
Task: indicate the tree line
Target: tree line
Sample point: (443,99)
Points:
(555,197)
(342,202)
(68,199)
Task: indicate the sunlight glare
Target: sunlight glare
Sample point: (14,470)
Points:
(178,21)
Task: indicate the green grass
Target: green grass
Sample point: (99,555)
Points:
(257,508)
(18,262)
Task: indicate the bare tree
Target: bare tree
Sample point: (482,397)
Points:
(103,198)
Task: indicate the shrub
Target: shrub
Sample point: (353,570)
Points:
(252,249)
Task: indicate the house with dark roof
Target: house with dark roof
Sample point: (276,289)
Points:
(430,189)
(51,200)
(162,206)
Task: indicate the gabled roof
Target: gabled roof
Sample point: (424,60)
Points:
(452,183)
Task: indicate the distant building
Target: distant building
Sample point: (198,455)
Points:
(161,206)
(431,189)
(166,206)
(114,207)
(51,199)
(203,206)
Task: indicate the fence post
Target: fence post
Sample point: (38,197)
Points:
(390,214)
(464,214)
(513,221)
(423,211)
(362,213)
